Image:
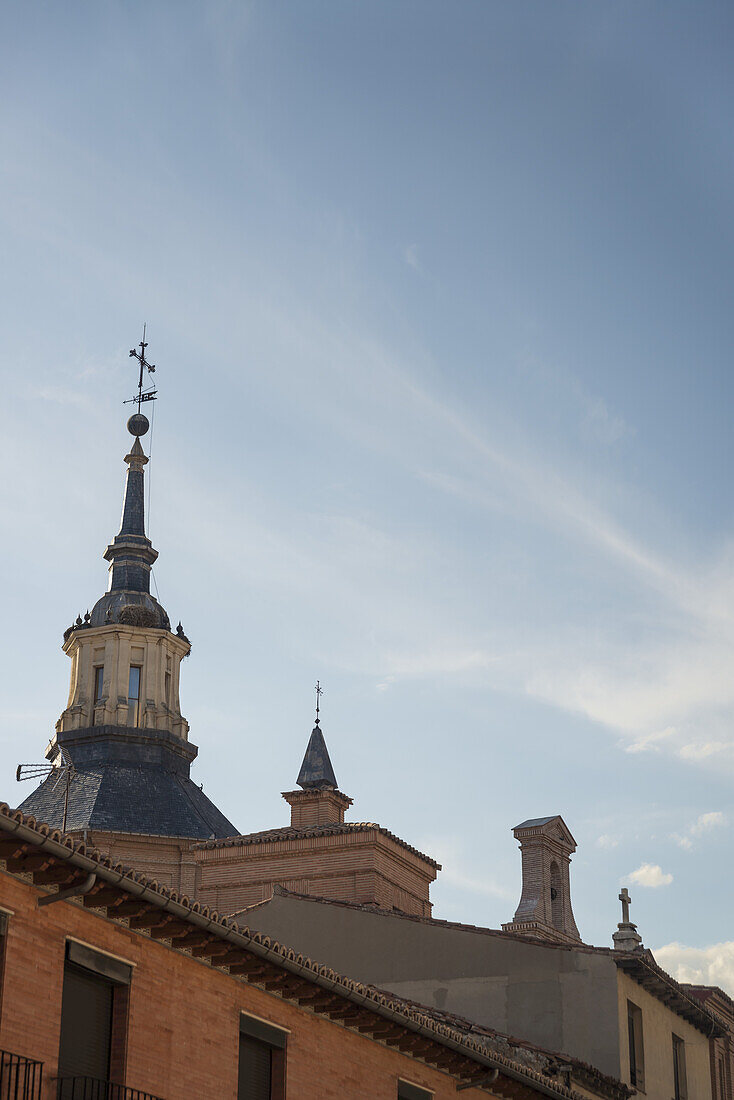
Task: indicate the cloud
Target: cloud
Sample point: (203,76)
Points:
(602,425)
(606,841)
(694,751)
(712,965)
(703,824)
(410,255)
(650,742)
(649,874)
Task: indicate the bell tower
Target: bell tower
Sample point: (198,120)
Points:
(122,733)
(545,911)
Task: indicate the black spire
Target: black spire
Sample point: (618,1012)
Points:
(131,552)
(316,771)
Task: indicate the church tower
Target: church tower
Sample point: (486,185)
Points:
(545,912)
(121,753)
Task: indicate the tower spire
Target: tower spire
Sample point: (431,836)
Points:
(130,553)
(316,771)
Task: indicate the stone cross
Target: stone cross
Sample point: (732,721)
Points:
(625,899)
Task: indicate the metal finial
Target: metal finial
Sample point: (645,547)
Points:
(319,693)
(148,395)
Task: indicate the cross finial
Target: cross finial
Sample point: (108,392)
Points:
(625,898)
(149,395)
(319,693)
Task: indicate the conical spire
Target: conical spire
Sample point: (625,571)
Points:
(131,552)
(316,771)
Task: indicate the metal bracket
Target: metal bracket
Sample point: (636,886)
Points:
(71,892)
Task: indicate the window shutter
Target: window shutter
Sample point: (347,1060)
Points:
(254,1071)
(86,1024)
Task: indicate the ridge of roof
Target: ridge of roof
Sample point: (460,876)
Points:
(297,832)
(113,873)
(704,992)
(641,964)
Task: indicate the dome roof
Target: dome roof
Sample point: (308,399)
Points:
(129,608)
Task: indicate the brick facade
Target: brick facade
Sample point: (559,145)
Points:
(545,912)
(193,975)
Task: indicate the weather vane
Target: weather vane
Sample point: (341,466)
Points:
(319,693)
(147,395)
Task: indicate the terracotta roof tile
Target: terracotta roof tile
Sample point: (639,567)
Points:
(373,999)
(290,832)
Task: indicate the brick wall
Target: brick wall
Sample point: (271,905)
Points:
(183,1016)
(365,867)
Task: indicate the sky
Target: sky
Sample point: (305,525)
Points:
(440,300)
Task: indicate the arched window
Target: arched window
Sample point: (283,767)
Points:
(556,897)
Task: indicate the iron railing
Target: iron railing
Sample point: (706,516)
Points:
(91,1088)
(20,1078)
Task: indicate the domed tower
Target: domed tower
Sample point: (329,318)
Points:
(122,731)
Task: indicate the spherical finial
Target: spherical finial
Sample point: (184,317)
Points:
(138,424)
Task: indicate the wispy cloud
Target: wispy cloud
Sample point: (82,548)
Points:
(607,841)
(712,965)
(649,874)
(703,824)
(410,255)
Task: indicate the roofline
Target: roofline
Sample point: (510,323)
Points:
(641,966)
(25,829)
(298,832)
(709,991)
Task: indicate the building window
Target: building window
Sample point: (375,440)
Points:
(94,1005)
(168,689)
(680,1086)
(409,1091)
(636,1047)
(133,696)
(262,1060)
(3,941)
(98,688)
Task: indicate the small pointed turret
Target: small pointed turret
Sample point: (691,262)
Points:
(319,802)
(316,771)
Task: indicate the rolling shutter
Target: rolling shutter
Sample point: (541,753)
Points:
(254,1071)
(86,1024)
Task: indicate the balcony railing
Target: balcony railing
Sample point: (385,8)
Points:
(20,1078)
(91,1088)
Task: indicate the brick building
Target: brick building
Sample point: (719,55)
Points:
(114,987)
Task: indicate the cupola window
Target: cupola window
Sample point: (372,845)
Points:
(133,696)
(98,684)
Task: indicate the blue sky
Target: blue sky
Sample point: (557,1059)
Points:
(440,299)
